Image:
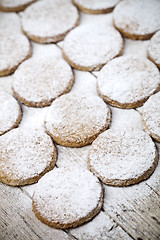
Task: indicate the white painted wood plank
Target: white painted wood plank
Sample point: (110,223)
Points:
(136,208)
(102,227)
(17,220)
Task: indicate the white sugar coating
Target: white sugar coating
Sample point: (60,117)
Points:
(65,196)
(25,154)
(13,20)
(10,112)
(151,115)
(40,80)
(49,18)
(137,17)
(33,116)
(45,50)
(6,84)
(72,157)
(14,3)
(85,82)
(136,48)
(96,5)
(75,117)
(128,79)
(92,45)
(125,118)
(14,48)
(154,48)
(122,154)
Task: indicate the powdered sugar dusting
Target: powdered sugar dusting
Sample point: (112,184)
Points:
(122,154)
(75,118)
(64,196)
(25,154)
(128,79)
(102,227)
(138,17)
(9,42)
(13,20)
(90,45)
(151,115)
(49,18)
(94,4)
(72,157)
(10,112)
(42,79)
(14,3)
(154,48)
(85,82)
(125,118)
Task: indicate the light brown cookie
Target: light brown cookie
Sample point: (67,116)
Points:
(14,5)
(153,50)
(75,120)
(88,47)
(151,116)
(50,20)
(14,22)
(14,49)
(67,198)
(137,19)
(94,6)
(26,155)
(38,81)
(123,157)
(10,112)
(127,81)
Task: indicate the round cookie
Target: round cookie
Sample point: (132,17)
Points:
(50,20)
(88,47)
(123,157)
(14,22)
(66,198)
(151,116)
(10,112)
(127,82)
(14,5)
(38,81)
(75,120)
(14,49)
(137,19)
(26,155)
(153,51)
(94,6)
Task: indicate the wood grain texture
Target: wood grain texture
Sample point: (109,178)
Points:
(17,220)
(136,208)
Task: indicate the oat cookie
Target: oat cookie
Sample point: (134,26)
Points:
(26,155)
(154,49)
(127,82)
(75,120)
(50,20)
(94,6)
(14,5)
(67,198)
(11,59)
(88,47)
(137,19)
(123,157)
(151,116)
(10,112)
(38,81)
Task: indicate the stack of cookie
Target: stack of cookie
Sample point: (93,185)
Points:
(44,79)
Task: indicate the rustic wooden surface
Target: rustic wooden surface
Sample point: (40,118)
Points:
(128,213)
